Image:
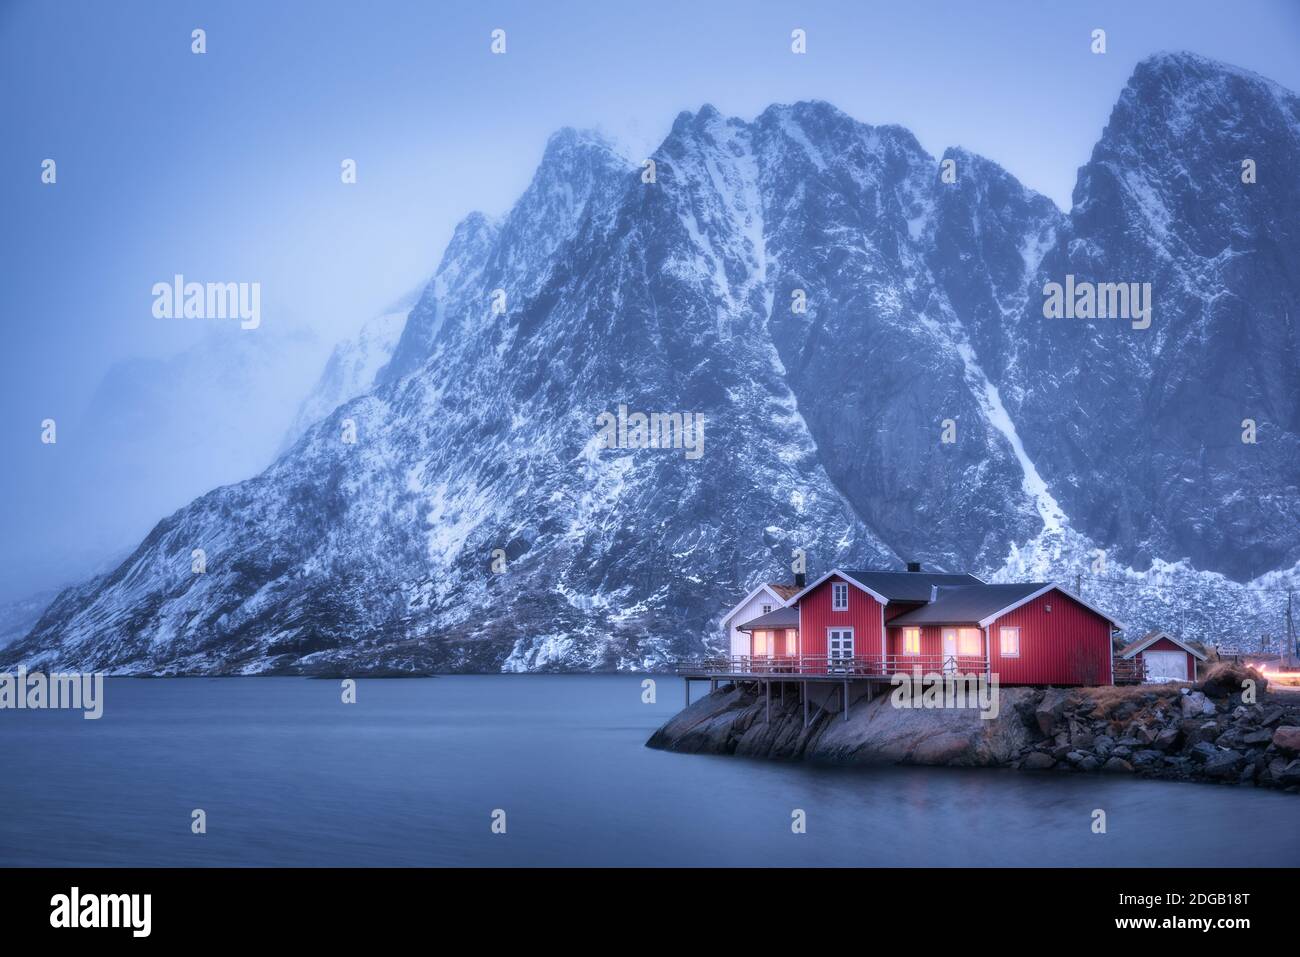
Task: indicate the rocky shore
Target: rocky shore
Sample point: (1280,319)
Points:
(1205,732)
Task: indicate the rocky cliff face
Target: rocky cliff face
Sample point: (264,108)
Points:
(1138,432)
(827,300)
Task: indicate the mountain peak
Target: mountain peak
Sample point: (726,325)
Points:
(1186,63)
(1176,72)
(572,137)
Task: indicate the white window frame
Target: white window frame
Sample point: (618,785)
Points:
(918,641)
(1002,641)
(767,609)
(838,589)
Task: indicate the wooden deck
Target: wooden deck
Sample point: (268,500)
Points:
(800,670)
(824,668)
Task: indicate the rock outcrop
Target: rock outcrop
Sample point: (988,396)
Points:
(1175,732)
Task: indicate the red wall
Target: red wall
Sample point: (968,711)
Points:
(896,608)
(1068,646)
(815,617)
(931,642)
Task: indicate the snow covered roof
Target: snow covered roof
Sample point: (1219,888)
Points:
(780,594)
(1151,637)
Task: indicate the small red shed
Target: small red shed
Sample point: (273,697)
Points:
(1165,657)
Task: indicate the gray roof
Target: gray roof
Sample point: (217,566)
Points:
(966,604)
(781,618)
(907,586)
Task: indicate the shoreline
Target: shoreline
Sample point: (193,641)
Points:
(1204,732)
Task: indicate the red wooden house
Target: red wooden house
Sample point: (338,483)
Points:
(877,623)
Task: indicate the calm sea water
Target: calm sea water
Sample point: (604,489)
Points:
(411,773)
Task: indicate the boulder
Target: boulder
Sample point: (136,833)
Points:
(1262,736)
(1196,731)
(1050,709)
(1025,711)
(1225,678)
(1037,761)
(1089,763)
(1288,774)
(1287,738)
(1271,716)
(1224,765)
(1202,751)
(1146,758)
(1196,704)
(1116,766)
(1229,739)
(1168,739)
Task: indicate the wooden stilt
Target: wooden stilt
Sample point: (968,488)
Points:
(768,687)
(846,700)
(805,703)
(687,682)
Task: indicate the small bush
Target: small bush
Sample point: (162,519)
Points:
(1226,678)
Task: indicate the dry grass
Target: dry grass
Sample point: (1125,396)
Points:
(1107,698)
(1226,677)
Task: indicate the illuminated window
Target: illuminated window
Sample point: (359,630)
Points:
(911,641)
(839,596)
(968,641)
(791,641)
(1010,641)
(760,644)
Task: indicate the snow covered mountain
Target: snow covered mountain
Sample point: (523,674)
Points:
(835,307)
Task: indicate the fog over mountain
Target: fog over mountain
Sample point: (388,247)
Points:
(924,315)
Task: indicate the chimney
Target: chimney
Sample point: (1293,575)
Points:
(799,579)
(913,566)
(934,592)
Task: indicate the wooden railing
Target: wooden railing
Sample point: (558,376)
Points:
(1126,671)
(1129,671)
(834,666)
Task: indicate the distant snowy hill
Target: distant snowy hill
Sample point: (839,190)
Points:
(350,371)
(823,426)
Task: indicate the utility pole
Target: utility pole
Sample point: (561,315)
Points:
(1293,648)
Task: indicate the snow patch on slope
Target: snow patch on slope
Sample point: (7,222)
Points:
(1054,519)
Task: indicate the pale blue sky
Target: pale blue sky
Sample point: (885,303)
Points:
(226,166)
